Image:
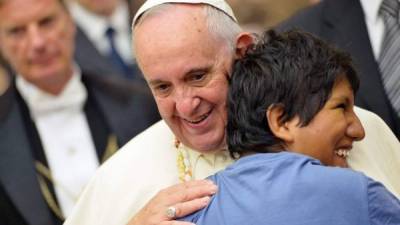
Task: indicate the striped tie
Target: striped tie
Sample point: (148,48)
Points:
(389,59)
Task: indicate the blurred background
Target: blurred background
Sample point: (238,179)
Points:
(257,15)
(4,77)
(253,15)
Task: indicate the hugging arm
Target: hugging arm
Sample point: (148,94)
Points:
(187,198)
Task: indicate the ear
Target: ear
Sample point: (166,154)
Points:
(243,41)
(281,130)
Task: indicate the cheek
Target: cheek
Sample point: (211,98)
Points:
(165,107)
(65,43)
(217,93)
(309,141)
(13,52)
(217,97)
(63,37)
(337,129)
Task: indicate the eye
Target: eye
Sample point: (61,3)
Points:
(47,21)
(198,77)
(161,89)
(341,106)
(16,31)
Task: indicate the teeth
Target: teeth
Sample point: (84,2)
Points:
(342,153)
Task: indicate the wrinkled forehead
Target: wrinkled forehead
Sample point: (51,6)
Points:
(61,2)
(177,46)
(186,16)
(173,27)
(11,8)
(23,12)
(182,31)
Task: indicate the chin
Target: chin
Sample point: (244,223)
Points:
(208,147)
(45,72)
(340,162)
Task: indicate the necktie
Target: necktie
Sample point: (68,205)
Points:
(115,57)
(389,59)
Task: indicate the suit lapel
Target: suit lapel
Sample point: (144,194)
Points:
(112,107)
(89,58)
(348,30)
(17,172)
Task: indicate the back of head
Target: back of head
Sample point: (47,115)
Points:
(293,70)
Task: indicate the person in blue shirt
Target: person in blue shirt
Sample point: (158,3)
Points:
(291,123)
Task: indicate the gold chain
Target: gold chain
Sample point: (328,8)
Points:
(183,162)
(45,173)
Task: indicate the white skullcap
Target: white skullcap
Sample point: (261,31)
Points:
(219,4)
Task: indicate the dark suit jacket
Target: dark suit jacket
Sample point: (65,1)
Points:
(127,110)
(92,61)
(342,23)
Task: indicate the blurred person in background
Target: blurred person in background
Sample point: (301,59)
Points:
(259,15)
(134,6)
(4,83)
(370,31)
(103,39)
(58,122)
(4,77)
(185,50)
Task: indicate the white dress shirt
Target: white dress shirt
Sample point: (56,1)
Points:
(94,26)
(65,137)
(205,164)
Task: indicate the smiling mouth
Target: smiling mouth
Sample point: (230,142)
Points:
(199,120)
(343,153)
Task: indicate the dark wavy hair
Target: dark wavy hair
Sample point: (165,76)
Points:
(294,70)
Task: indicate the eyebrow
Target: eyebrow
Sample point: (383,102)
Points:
(155,82)
(206,68)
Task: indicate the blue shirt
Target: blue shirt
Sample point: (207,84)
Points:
(292,189)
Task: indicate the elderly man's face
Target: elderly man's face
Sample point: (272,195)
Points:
(187,72)
(36,38)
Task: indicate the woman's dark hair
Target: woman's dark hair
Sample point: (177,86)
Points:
(294,70)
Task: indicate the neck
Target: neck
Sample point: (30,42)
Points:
(56,85)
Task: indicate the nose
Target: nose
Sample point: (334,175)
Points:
(355,129)
(186,102)
(36,38)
